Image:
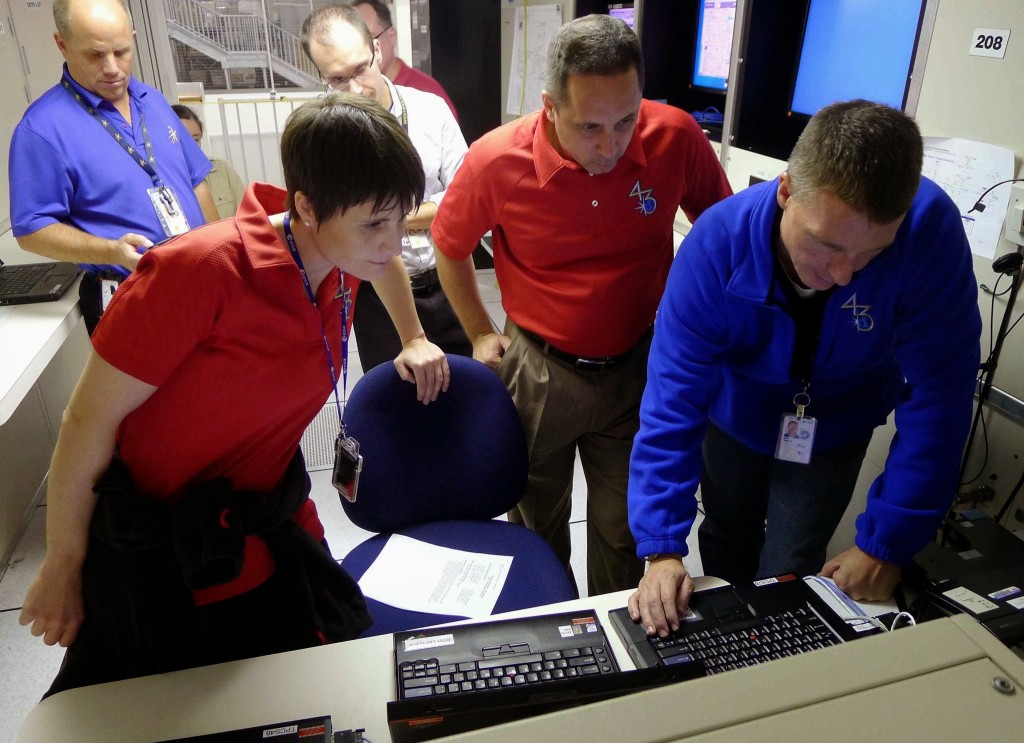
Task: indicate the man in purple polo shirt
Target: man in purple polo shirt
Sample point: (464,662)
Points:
(101,168)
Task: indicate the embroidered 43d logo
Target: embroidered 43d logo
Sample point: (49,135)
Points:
(861,319)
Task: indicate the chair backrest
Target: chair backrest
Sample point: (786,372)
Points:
(462,456)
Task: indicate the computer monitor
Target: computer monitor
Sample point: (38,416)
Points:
(625,12)
(713,46)
(856,49)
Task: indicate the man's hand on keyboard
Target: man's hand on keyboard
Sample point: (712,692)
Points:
(861,576)
(662,597)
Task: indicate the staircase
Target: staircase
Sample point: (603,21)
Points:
(239,41)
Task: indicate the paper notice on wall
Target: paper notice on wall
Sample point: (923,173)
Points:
(534,27)
(965,170)
(436,580)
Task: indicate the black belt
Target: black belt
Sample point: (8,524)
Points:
(425,280)
(597,363)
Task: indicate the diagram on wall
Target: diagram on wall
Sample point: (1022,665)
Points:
(965,169)
(534,27)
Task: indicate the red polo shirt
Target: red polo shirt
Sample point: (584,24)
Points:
(219,321)
(581,260)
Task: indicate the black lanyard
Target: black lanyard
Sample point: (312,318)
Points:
(294,250)
(404,118)
(147,161)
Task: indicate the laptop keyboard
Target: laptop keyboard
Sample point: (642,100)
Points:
(424,678)
(770,637)
(19,279)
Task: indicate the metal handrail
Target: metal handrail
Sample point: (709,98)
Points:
(239,33)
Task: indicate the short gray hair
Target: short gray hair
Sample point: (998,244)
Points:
(866,154)
(596,44)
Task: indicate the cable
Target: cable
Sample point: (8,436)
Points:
(709,115)
(1006,265)
(978,206)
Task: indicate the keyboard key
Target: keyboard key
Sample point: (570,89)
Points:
(423,691)
(578,662)
(418,682)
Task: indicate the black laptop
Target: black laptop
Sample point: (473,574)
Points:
(455,679)
(35,282)
(734,627)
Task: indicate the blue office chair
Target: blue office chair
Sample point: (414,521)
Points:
(441,473)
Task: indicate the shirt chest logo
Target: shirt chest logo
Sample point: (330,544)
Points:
(647,203)
(861,319)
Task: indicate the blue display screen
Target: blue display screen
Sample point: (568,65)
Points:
(714,44)
(856,49)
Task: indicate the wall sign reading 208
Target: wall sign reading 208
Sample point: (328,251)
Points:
(990,42)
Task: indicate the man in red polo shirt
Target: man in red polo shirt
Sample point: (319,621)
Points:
(580,198)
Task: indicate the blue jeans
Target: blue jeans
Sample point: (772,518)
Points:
(764,517)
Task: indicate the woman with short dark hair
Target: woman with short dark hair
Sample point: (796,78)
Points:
(179,528)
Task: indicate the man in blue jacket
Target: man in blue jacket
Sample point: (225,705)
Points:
(798,315)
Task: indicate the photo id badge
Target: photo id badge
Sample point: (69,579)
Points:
(107,289)
(172,218)
(796,439)
(348,463)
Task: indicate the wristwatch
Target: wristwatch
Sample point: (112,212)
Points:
(659,555)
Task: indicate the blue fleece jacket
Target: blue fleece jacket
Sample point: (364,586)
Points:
(904,335)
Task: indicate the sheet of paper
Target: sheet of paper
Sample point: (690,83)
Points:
(435,579)
(534,27)
(965,169)
(842,604)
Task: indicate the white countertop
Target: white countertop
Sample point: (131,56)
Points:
(30,336)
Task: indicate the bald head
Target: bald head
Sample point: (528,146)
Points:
(62,11)
(96,39)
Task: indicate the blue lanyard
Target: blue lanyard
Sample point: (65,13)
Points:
(290,239)
(146,161)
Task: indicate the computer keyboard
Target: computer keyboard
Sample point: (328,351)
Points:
(17,279)
(424,678)
(767,638)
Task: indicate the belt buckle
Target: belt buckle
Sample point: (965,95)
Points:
(591,364)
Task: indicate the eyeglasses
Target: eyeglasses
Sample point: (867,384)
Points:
(342,84)
(381,33)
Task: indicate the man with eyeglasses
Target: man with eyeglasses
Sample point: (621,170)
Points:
(378,20)
(349,59)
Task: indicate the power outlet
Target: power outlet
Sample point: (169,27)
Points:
(1014,230)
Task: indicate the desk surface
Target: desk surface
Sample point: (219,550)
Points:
(351,681)
(30,336)
(936,679)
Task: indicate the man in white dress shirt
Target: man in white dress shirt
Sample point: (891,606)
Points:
(338,42)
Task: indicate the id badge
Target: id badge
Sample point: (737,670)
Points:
(348,463)
(796,439)
(107,289)
(418,239)
(168,210)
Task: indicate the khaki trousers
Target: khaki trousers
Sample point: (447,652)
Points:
(563,409)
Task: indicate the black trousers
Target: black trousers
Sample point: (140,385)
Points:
(90,300)
(377,339)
